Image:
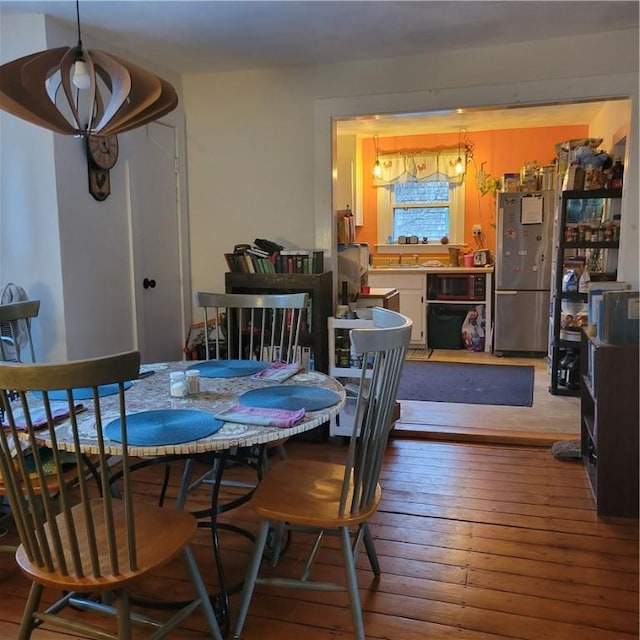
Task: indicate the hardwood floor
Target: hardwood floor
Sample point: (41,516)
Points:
(475,542)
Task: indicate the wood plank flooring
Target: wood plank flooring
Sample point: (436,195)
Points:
(475,542)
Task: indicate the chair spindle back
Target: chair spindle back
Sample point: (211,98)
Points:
(55,521)
(264,327)
(383,349)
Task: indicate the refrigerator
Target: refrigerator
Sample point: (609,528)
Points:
(524,247)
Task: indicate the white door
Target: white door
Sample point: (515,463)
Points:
(155,225)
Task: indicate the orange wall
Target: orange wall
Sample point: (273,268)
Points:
(502,151)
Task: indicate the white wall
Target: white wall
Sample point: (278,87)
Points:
(259,143)
(29,233)
(67,249)
(259,157)
(618,125)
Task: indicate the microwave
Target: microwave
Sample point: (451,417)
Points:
(456,286)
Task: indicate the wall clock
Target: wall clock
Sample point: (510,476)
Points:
(102,155)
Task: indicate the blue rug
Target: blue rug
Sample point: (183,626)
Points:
(467,383)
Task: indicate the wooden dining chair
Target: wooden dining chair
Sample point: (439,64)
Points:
(82,541)
(247,326)
(333,498)
(15,329)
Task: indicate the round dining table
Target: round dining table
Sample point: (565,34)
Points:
(151,392)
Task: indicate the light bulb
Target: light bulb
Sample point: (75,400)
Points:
(459,166)
(81,78)
(377,169)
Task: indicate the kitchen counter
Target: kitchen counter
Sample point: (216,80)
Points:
(421,269)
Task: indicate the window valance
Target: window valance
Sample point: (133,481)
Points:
(418,166)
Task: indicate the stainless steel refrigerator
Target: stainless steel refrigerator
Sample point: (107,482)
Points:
(524,247)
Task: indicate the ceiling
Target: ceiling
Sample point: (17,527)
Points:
(205,36)
(190,36)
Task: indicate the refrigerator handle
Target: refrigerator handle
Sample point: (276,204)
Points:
(504,292)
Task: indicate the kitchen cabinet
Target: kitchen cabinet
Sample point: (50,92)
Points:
(412,290)
(588,235)
(609,429)
(412,287)
(348,184)
(437,302)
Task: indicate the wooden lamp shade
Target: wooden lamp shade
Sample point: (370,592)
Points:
(121,96)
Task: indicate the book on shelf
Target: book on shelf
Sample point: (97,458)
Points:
(292,261)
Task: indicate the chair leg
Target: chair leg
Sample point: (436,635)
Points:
(250,578)
(124,615)
(371,550)
(33,601)
(201,590)
(352,583)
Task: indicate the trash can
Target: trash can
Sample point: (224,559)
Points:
(444,326)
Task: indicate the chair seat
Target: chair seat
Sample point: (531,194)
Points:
(307,493)
(169,530)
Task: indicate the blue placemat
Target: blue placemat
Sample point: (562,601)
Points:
(164,427)
(291,397)
(85,393)
(228,368)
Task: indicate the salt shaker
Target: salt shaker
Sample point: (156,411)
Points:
(193,381)
(178,386)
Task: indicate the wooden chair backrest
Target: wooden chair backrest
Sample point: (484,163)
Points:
(41,508)
(383,349)
(249,326)
(15,320)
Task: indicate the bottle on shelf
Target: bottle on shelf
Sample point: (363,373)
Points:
(343,348)
(583,283)
(617,173)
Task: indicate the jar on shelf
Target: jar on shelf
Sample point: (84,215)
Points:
(616,229)
(617,173)
(608,231)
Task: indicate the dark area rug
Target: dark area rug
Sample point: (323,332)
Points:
(467,383)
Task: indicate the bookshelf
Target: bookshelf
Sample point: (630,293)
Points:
(609,430)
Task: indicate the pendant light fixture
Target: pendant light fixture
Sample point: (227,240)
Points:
(377,167)
(82,92)
(460,164)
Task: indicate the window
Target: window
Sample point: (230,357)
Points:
(429,209)
(420,209)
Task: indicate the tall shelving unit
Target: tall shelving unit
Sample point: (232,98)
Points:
(609,433)
(581,213)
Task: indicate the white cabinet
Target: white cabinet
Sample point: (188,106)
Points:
(466,305)
(348,184)
(342,424)
(412,288)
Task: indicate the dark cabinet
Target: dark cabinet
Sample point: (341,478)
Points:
(609,431)
(320,289)
(586,238)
